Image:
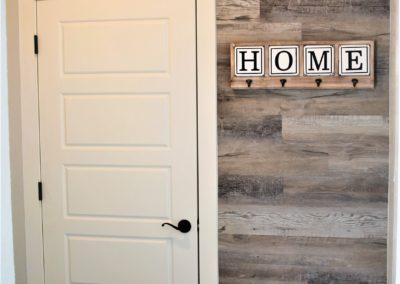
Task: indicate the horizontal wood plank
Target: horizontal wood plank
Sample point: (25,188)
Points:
(333,128)
(325,156)
(276,259)
(269,126)
(357,221)
(237,187)
(312,9)
(242,10)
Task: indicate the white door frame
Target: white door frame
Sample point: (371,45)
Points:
(207,142)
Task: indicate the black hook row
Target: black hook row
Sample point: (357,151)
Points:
(318,82)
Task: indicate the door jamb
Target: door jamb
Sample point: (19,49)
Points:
(207,142)
(30,143)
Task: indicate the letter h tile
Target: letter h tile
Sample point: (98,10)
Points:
(249,61)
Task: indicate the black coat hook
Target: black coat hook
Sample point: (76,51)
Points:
(355,82)
(318,82)
(249,81)
(283,82)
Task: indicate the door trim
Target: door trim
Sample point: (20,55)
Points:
(30,143)
(207,142)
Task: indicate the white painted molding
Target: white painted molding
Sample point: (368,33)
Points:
(30,143)
(207,140)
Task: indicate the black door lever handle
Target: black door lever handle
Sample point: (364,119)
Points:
(184,226)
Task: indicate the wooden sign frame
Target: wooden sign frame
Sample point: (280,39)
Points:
(301,81)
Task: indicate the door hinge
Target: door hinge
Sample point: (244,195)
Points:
(198,225)
(40,191)
(36,44)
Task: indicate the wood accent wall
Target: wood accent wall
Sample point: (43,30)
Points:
(303,174)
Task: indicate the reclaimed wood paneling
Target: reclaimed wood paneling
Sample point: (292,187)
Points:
(303,173)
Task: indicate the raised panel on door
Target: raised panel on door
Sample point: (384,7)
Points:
(117,96)
(119,255)
(126,120)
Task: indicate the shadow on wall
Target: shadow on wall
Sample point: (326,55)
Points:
(303,174)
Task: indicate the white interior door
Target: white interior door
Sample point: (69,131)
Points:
(117,96)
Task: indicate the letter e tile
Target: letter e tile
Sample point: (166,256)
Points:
(354,60)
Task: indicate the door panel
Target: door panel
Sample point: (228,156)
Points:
(119,256)
(142,192)
(125,54)
(121,117)
(117,96)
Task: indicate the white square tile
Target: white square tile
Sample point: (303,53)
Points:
(249,61)
(284,60)
(354,60)
(319,60)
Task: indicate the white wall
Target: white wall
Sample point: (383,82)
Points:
(7,255)
(14,103)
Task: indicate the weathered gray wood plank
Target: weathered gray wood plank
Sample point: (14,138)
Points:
(274,259)
(333,128)
(315,8)
(339,190)
(357,221)
(336,189)
(254,157)
(241,10)
(260,103)
(238,187)
(239,156)
(245,31)
(269,126)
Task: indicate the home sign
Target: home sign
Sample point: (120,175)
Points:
(303,65)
